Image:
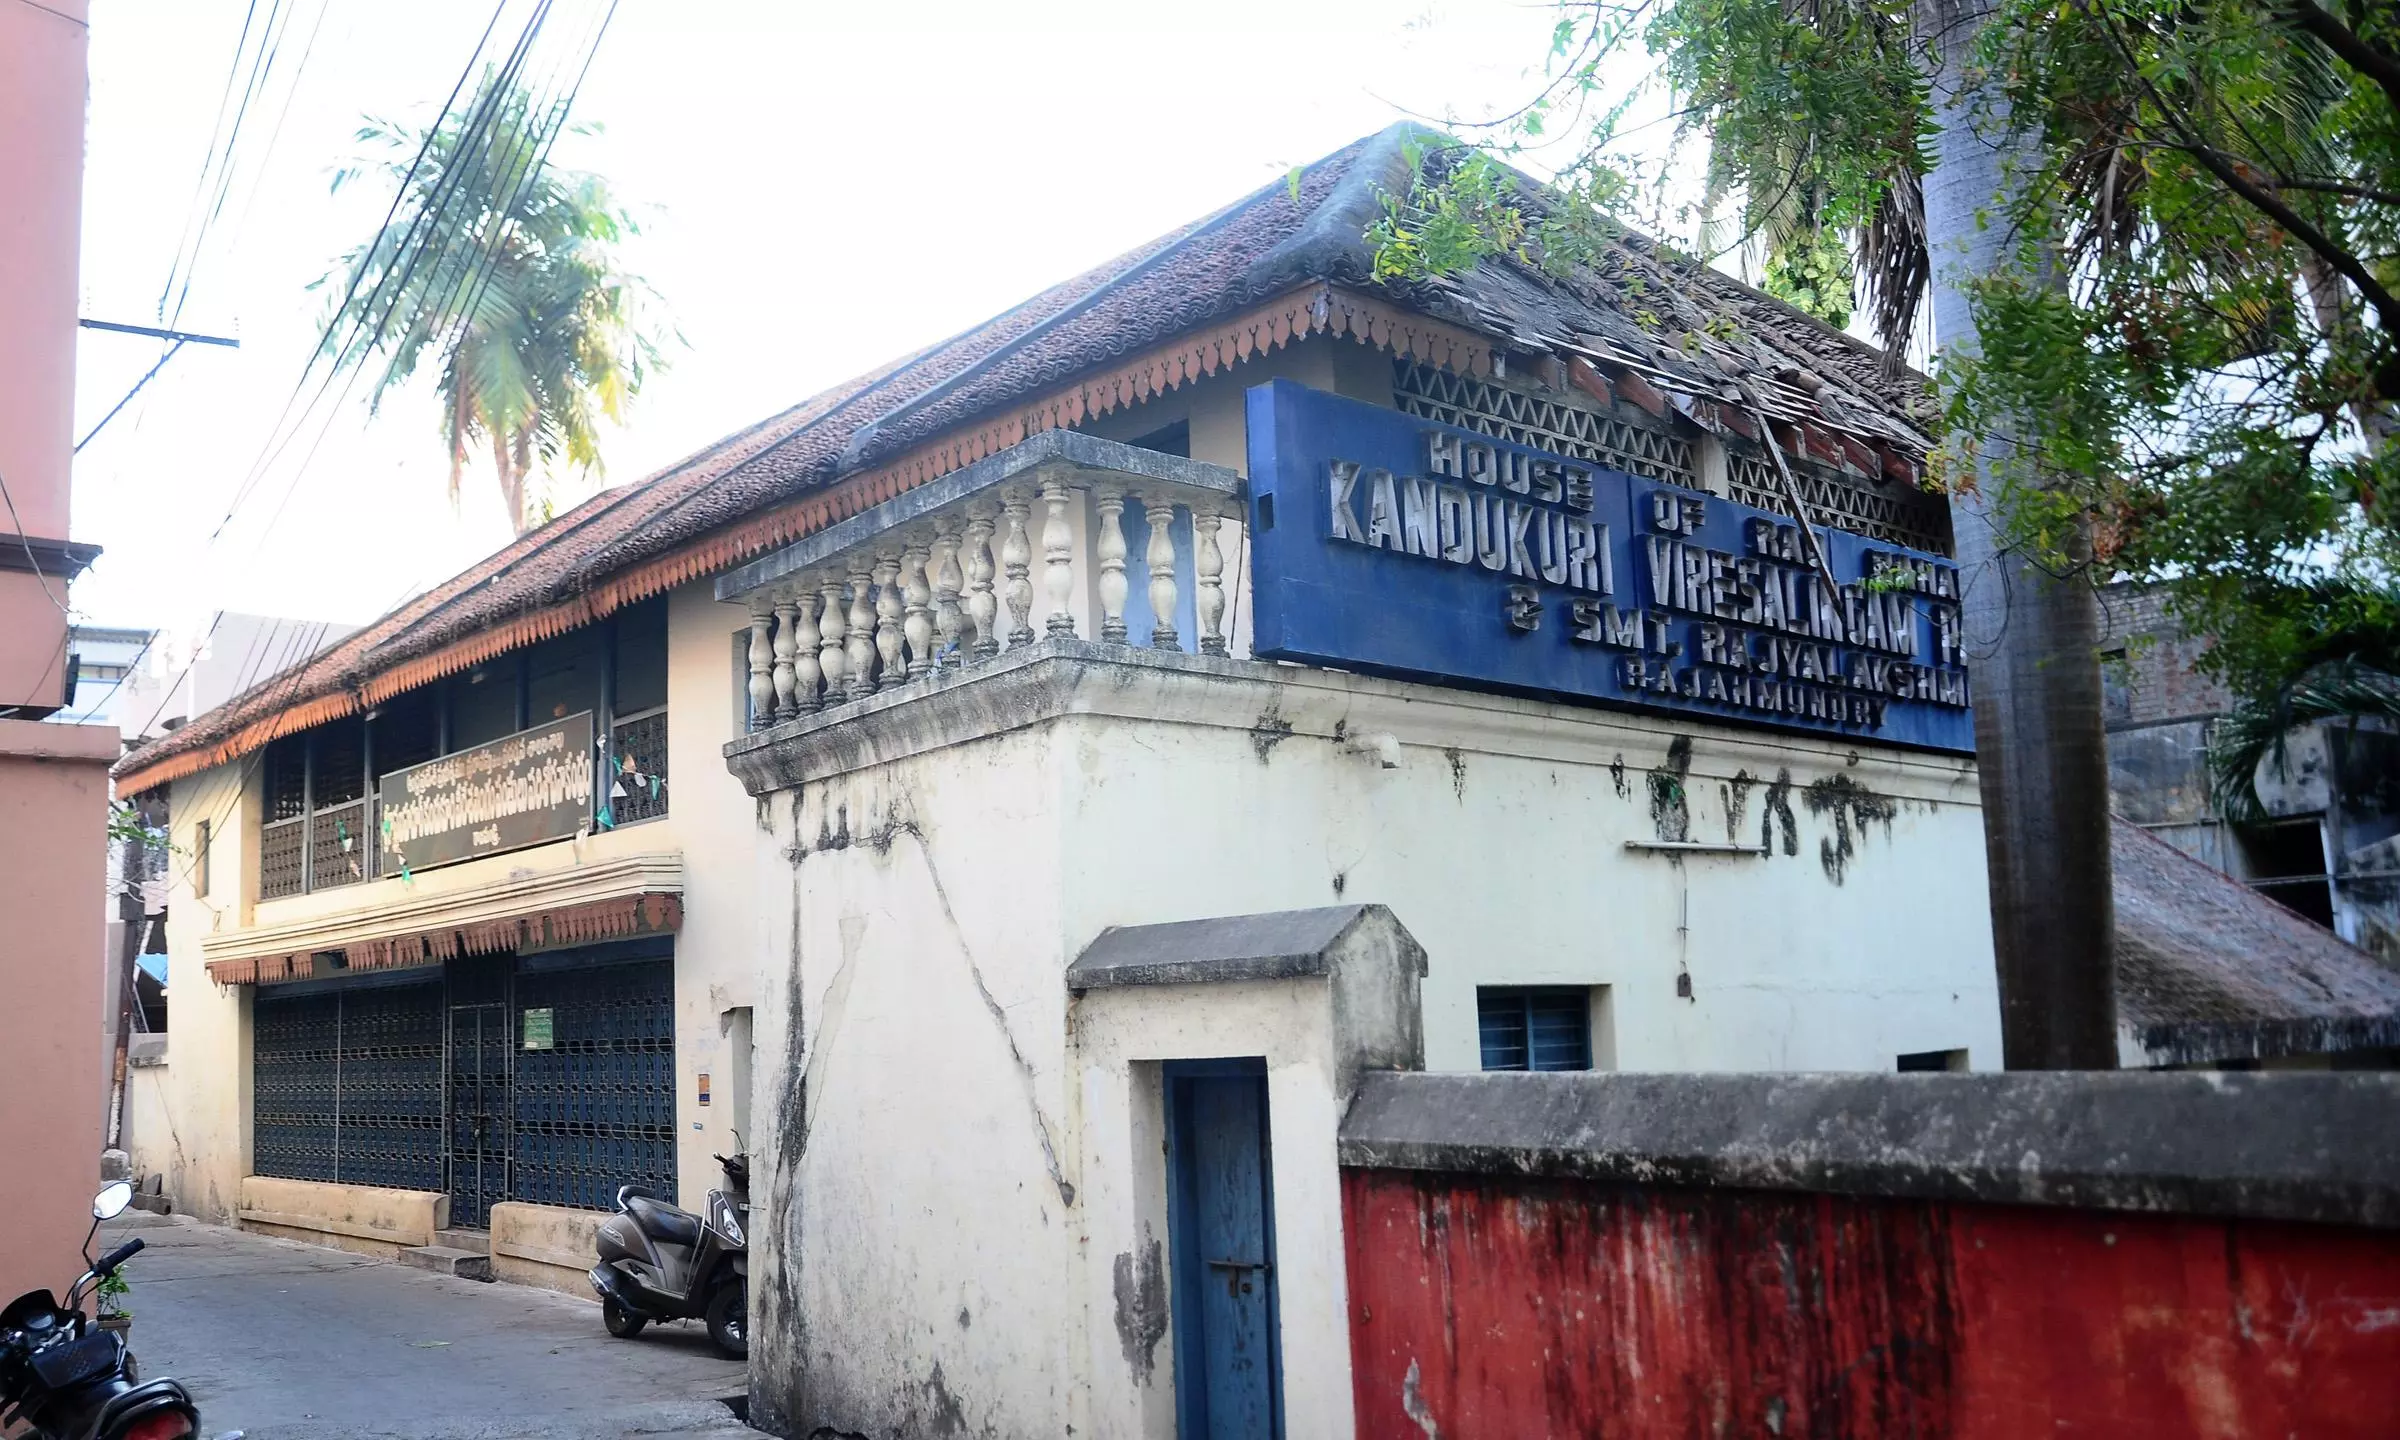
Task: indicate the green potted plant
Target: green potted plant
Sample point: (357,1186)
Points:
(111,1293)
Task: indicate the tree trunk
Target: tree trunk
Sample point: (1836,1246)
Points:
(2034,647)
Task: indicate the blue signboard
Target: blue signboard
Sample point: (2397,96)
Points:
(1385,543)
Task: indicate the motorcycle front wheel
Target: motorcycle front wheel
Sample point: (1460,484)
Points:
(621,1322)
(729,1319)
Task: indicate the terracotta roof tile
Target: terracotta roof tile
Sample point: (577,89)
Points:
(1261,246)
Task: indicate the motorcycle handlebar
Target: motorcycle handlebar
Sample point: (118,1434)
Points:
(109,1262)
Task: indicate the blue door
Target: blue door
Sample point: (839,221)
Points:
(1228,1382)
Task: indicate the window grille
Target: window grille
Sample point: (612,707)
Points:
(1546,1028)
(280,847)
(287,778)
(341,762)
(1896,513)
(338,850)
(407,732)
(637,768)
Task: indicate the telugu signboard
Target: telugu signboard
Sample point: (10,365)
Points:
(519,790)
(1386,543)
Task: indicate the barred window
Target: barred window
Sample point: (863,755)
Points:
(636,786)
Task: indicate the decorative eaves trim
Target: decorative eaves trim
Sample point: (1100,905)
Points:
(1207,350)
(246,955)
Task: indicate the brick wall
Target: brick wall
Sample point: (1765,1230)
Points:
(2155,681)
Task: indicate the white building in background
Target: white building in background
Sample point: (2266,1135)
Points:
(1093,740)
(147,682)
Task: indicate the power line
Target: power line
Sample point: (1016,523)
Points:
(17,524)
(358,273)
(400,196)
(208,157)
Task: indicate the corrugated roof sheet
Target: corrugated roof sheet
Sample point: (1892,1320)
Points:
(1260,247)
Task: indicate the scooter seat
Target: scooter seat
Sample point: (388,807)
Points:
(661,1221)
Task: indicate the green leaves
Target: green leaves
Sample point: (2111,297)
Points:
(501,272)
(2193,350)
(1445,228)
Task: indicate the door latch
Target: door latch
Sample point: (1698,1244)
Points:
(1237,1274)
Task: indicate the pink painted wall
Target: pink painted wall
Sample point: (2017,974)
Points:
(42,86)
(53,778)
(53,869)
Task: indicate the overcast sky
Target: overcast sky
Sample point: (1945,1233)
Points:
(821,190)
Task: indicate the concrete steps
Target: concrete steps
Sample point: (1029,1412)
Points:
(464,1253)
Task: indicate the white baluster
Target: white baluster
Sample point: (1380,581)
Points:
(892,670)
(1208,569)
(762,664)
(787,704)
(807,668)
(832,657)
(1110,550)
(1159,512)
(918,595)
(948,619)
(1016,558)
(862,628)
(1058,556)
(982,606)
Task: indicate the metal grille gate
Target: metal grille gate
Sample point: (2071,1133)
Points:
(479,1090)
(348,1086)
(431,1086)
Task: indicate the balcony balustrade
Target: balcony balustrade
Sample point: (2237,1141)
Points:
(1031,543)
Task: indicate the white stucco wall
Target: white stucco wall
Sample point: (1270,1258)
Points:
(1501,845)
(946,870)
(914,1092)
(713,822)
(204,1149)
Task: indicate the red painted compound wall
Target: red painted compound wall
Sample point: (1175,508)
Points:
(1507,1307)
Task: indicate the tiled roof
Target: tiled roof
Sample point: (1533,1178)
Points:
(1264,245)
(2209,969)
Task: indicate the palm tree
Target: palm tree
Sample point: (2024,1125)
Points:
(501,270)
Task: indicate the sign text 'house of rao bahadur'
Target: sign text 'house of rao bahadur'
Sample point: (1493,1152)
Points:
(1019,793)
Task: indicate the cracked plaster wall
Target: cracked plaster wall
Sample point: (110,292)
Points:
(913,1277)
(930,1098)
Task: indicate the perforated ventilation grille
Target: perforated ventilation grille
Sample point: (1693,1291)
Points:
(1900,514)
(280,847)
(1895,513)
(1543,423)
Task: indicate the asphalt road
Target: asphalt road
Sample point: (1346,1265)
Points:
(283,1341)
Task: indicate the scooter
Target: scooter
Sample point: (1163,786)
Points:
(67,1381)
(661,1263)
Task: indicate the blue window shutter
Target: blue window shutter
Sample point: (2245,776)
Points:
(1528,1028)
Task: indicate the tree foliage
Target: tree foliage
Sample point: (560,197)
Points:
(500,272)
(2196,352)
